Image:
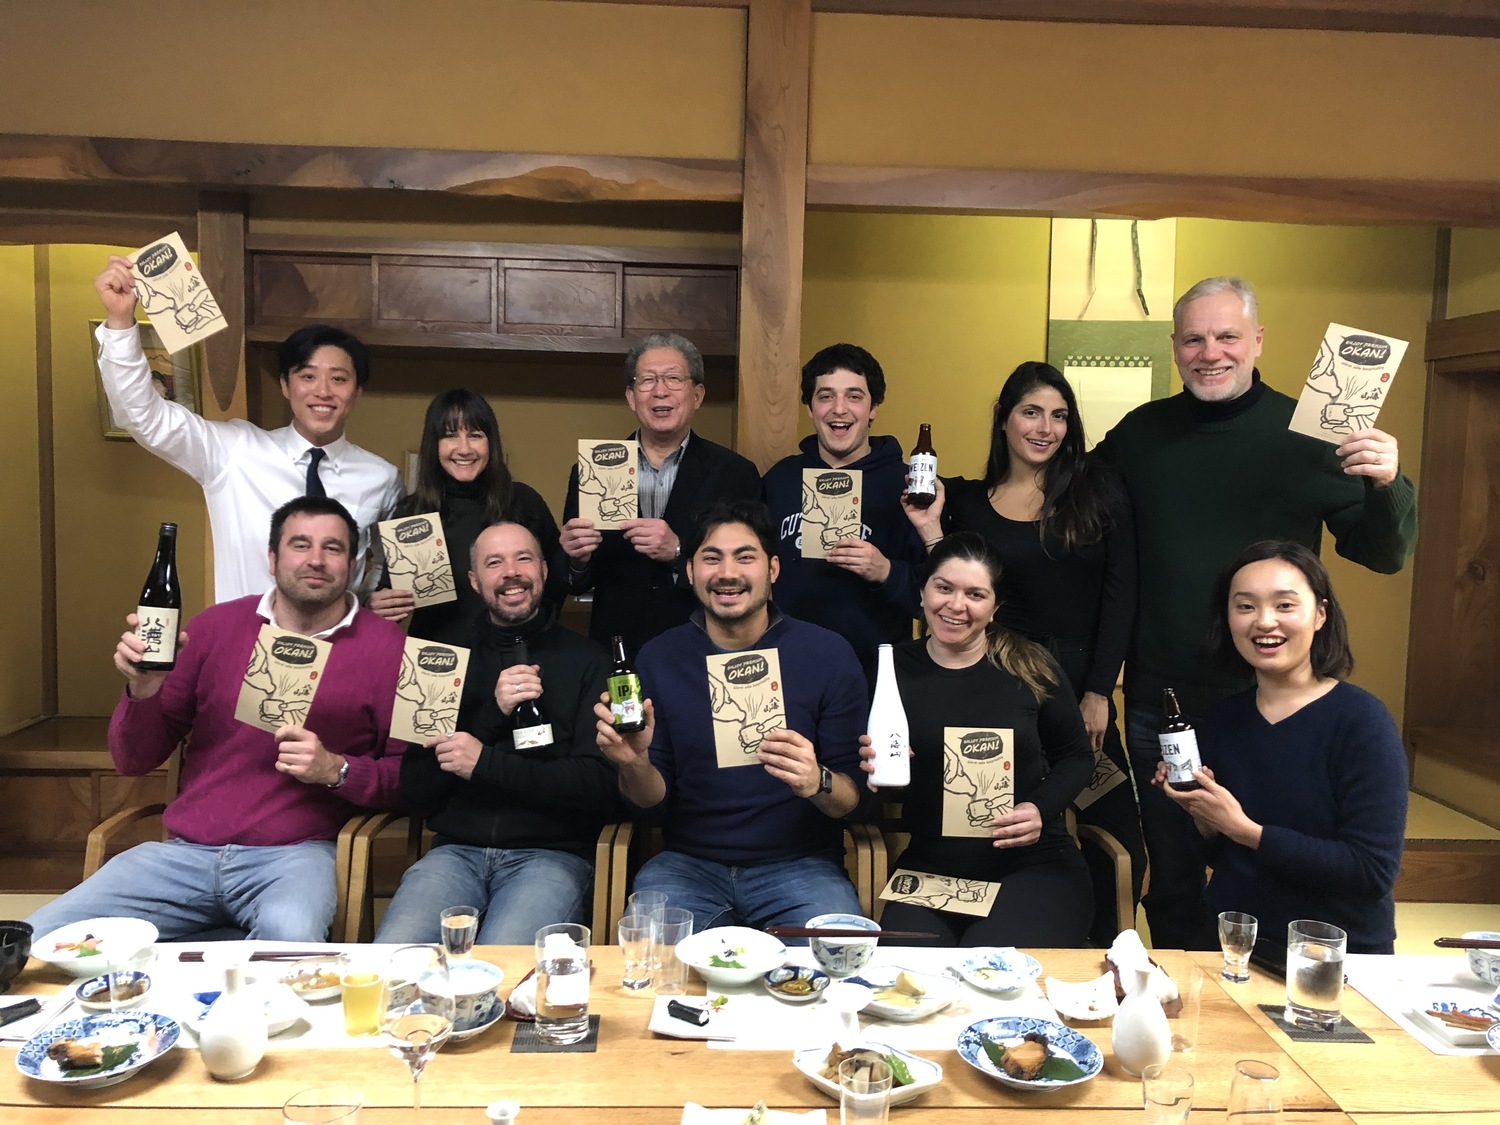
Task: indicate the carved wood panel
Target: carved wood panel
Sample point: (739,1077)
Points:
(661,299)
(455,294)
(577,298)
(307,289)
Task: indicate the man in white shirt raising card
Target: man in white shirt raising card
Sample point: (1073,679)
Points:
(247,472)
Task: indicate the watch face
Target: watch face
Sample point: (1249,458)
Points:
(825,780)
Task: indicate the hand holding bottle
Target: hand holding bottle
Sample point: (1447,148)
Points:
(129,652)
(517,683)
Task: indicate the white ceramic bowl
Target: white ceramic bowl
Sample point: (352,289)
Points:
(1483,963)
(107,937)
(742,954)
(306,979)
(476,990)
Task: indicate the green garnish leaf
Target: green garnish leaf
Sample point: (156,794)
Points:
(718,962)
(1060,1068)
(88,951)
(113,1056)
(993,1050)
(900,1074)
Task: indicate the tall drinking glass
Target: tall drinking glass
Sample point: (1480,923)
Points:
(562,983)
(1237,940)
(1254,1094)
(362,978)
(669,974)
(420,1017)
(864,1092)
(120,969)
(1314,974)
(637,938)
(650,903)
(459,925)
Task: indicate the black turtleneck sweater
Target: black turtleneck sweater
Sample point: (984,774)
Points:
(556,796)
(1205,481)
(463,514)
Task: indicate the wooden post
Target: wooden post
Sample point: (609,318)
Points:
(778,53)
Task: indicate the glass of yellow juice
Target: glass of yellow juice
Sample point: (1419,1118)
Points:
(362,982)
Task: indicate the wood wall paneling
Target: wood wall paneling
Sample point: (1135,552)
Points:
(452,294)
(573,298)
(46,477)
(689,301)
(775,203)
(310,288)
(221,257)
(26,226)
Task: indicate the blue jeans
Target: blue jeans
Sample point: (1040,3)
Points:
(271,893)
(770,894)
(1174,893)
(518,891)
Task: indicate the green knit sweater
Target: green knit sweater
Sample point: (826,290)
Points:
(1208,479)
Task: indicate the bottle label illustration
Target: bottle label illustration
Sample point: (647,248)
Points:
(158,628)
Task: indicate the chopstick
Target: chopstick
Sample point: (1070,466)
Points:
(1466,943)
(815,931)
(267,955)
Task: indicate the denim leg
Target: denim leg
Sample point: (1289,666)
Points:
(1174,894)
(170,885)
(792,891)
(705,888)
(450,875)
(280,893)
(535,887)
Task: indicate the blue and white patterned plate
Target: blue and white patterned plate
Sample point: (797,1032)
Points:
(1493,1037)
(283,1008)
(999,970)
(1465,1002)
(796,984)
(153,1035)
(1060,1040)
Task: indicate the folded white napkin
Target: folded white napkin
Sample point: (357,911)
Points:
(522,1000)
(695,1114)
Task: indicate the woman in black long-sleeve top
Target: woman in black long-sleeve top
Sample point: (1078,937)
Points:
(1062,525)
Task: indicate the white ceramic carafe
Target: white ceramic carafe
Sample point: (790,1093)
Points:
(233,1038)
(1141,1035)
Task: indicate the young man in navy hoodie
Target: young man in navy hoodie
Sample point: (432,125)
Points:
(868,588)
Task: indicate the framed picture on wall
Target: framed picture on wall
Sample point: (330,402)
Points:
(174,377)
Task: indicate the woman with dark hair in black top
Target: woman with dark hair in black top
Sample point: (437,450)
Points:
(1061,523)
(461,475)
(968,687)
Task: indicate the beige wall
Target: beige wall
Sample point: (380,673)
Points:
(1474,272)
(20,499)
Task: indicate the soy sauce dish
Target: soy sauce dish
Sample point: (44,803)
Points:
(795,984)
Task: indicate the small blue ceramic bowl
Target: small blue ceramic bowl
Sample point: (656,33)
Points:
(843,955)
(93,994)
(795,983)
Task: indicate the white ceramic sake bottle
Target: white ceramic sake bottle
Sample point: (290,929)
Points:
(233,1038)
(1141,1035)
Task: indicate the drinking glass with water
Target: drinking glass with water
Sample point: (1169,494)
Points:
(459,926)
(562,983)
(1314,974)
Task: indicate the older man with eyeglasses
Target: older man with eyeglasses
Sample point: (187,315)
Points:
(635,572)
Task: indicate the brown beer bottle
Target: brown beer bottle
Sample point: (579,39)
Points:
(1179,744)
(625,691)
(921,478)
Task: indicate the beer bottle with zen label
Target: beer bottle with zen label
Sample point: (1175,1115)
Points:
(1179,744)
(160,610)
(625,692)
(532,729)
(889,732)
(921,476)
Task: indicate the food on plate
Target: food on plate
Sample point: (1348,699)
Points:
(873,1065)
(88,947)
(908,984)
(312,980)
(757,1115)
(124,990)
(1464,1020)
(728,960)
(1029,1058)
(75,1054)
(794,986)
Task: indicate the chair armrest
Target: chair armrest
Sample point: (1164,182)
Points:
(107,830)
(619,873)
(599,924)
(1120,860)
(359,921)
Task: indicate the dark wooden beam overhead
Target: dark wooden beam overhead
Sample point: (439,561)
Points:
(1144,196)
(1417,17)
(239,167)
(778,57)
(25,226)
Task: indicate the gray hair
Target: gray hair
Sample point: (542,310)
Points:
(1212,287)
(681,344)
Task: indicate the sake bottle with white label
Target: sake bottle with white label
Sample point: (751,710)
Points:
(159,611)
(889,732)
(532,728)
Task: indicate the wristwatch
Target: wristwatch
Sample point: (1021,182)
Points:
(343,777)
(825,781)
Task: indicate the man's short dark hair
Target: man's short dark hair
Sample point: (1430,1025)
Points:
(312,506)
(752,513)
(849,357)
(298,348)
(680,344)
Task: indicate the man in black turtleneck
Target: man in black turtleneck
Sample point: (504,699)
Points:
(1210,471)
(516,804)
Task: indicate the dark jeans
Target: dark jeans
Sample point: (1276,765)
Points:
(1174,895)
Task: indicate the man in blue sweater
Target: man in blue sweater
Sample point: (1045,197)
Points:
(867,589)
(749,773)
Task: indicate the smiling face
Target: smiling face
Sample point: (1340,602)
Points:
(732,574)
(1273,617)
(1215,343)
(958,603)
(508,573)
(463,452)
(665,411)
(322,392)
(1035,428)
(841,411)
(311,562)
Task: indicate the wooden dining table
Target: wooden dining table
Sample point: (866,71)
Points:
(636,1077)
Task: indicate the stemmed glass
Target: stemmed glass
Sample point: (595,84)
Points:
(1237,940)
(419,1016)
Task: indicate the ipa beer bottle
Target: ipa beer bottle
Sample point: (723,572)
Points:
(625,692)
(887,728)
(921,487)
(1179,744)
(532,729)
(159,612)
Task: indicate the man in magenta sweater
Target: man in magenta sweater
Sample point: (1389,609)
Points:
(250,833)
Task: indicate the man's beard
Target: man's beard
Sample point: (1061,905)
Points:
(510,618)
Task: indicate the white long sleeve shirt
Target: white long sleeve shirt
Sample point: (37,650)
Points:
(246,472)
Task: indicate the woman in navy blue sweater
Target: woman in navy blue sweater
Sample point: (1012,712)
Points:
(1303,798)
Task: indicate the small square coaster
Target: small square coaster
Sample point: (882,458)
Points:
(525,1041)
(1346,1032)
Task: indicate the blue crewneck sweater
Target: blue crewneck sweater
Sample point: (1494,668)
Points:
(743,816)
(1329,785)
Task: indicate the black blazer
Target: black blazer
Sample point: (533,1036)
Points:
(636,597)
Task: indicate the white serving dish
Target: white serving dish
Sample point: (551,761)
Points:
(313,995)
(898,1007)
(1454,1000)
(999,970)
(754,953)
(118,938)
(925,1074)
(1084,1001)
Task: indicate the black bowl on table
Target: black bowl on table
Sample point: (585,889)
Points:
(15,949)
